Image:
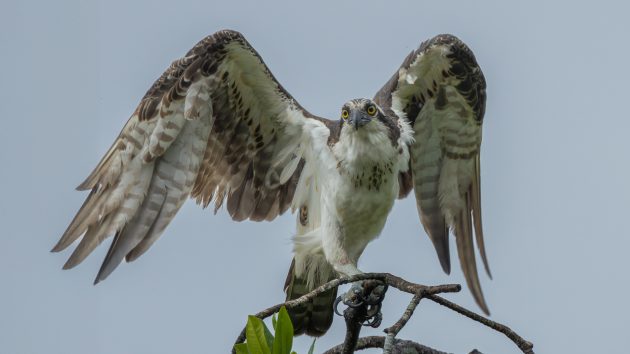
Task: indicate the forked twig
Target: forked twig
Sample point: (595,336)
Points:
(396,327)
(386,278)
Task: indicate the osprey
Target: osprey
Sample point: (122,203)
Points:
(217,127)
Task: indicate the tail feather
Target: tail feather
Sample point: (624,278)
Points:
(315,317)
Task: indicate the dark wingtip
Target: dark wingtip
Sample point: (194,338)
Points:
(445,262)
(487,270)
(70,263)
(442,248)
(101,274)
(56,248)
(478,295)
(82,187)
(484,307)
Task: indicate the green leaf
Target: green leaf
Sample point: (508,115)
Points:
(311,350)
(241,348)
(255,333)
(268,336)
(284,333)
(273,321)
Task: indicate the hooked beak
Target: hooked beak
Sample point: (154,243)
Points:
(358,119)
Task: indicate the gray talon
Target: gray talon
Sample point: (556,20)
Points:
(354,305)
(354,297)
(374,321)
(370,298)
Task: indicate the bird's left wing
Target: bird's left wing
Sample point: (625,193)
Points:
(441,91)
(215,126)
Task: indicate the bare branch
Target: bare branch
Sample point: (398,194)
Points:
(386,278)
(353,317)
(524,345)
(393,345)
(399,346)
(393,330)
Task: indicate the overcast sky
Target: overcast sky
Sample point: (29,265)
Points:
(554,159)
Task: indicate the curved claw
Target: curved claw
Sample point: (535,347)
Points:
(353,304)
(373,303)
(336,304)
(374,321)
(348,302)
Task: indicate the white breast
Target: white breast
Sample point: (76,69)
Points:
(362,214)
(358,198)
(348,194)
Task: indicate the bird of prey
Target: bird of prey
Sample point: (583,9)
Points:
(218,127)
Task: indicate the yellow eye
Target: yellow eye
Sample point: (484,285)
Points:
(371,110)
(344,114)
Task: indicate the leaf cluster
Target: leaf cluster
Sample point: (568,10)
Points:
(260,340)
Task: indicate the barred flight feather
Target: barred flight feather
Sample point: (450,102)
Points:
(216,125)
(441,91)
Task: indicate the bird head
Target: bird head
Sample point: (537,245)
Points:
(361,112)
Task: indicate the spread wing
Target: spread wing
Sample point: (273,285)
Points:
(441,91)
(215,126)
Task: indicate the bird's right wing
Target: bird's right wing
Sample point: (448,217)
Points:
(215,126)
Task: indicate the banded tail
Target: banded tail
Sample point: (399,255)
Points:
(315,317)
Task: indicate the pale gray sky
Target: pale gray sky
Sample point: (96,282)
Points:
(554,171)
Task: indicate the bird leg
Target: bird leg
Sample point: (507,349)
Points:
(368,295)
(364,298)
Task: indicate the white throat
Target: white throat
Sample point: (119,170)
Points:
(366,145)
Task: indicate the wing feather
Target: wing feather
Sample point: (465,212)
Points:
(167,128)
(475,205)
(216,125)
(112,222)
(466,253)
(440,90)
